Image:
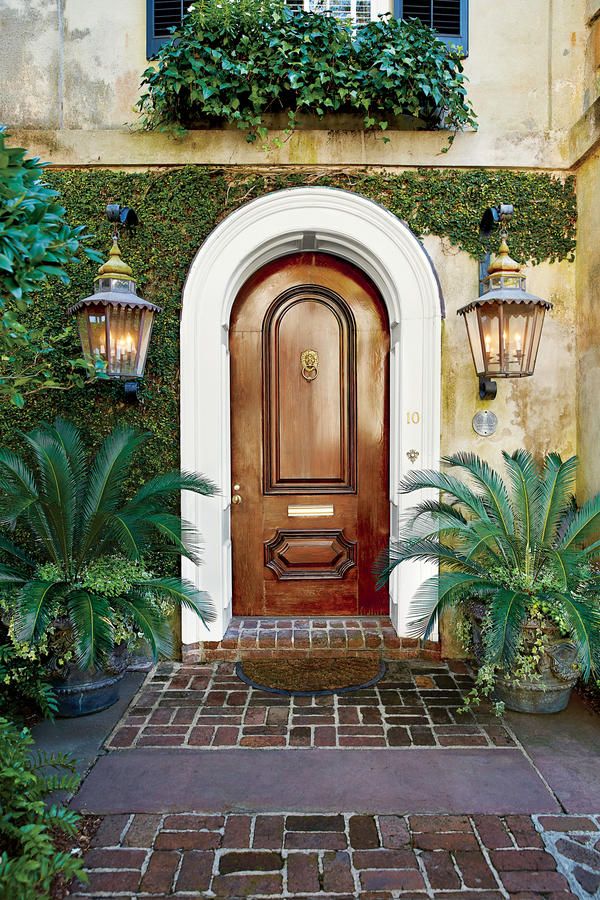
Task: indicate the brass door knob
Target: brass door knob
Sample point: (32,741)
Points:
(236,499)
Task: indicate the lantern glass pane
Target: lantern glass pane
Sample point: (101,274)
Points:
(92,331)
(145,332)
(519,321)
(124,341)
(472,323)
(536,333)
(490,338)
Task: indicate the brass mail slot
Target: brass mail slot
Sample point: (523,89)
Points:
(310,512)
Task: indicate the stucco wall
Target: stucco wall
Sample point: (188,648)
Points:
(75,65)
(588,313)
(536,413)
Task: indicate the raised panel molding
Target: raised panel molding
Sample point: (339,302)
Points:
(307,553)
(283,456)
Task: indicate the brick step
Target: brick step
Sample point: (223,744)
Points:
(253,638)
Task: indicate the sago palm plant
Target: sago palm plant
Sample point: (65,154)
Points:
(79,555)
(520,545)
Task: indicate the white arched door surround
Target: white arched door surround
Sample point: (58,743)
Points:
(353,228)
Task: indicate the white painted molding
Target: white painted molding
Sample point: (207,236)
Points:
(368,235)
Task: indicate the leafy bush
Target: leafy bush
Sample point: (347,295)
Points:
(29,858)
(81,585)
(238,60)
(24,683)
(519,546)
(36,244)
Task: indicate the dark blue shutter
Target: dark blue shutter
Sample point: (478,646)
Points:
(161,15)
(450,18)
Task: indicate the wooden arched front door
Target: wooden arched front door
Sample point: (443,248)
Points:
(309,344)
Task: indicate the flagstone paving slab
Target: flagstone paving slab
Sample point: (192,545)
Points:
(373,856)
(416,704)
(411,780)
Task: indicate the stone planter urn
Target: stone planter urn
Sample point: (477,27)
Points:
(551,691)
(82,692)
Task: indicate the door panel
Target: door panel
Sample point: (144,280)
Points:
(309,415)
(309,346)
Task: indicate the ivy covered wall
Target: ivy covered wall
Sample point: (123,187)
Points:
(178,208)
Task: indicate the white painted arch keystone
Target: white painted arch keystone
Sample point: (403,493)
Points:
(354,228)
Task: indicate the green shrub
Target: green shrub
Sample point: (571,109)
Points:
(520,546)
(76,583)
(29,858)
(239,60)
(24,683)
(36,243)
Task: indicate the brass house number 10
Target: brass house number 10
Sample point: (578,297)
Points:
(413,418)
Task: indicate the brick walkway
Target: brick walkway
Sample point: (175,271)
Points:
(366,856)
(256,638)
(415,705)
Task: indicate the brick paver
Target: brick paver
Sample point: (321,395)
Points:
(374,856)
(255,638)
(415,705)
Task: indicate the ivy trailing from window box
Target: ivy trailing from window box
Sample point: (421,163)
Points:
(239,61)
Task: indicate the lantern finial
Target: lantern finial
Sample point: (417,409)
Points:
(115,267)
(502,260)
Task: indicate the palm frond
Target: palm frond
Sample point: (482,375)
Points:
(496,492)
(556,495)
(584,524)
(69,437)
(170,484)
(181,534)
(8,547)
(105,484)
(10,576)
(89,616)
(183,593)
(429,479)
(435,595)
(423,550)
(583,618)
(33,609)
(150,622)
(524,477)
(58,487)
(508,612)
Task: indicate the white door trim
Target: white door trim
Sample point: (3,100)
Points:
(368,235)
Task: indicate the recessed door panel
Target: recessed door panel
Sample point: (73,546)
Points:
(309,396)
(309,346)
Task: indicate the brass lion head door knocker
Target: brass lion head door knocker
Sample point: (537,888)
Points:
(309,361)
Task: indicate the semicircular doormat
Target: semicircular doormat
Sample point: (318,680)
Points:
(305,677)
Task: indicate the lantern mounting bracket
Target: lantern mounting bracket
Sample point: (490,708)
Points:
(487,388)
(131,389)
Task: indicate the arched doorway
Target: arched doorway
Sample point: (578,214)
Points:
(309,349)
(351,228)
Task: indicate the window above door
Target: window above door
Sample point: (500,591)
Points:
(448,17)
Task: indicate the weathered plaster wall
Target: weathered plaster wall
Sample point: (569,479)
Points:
(588,313)
(74,67)
(536,413)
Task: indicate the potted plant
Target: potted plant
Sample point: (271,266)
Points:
(517,558)
(74,545)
